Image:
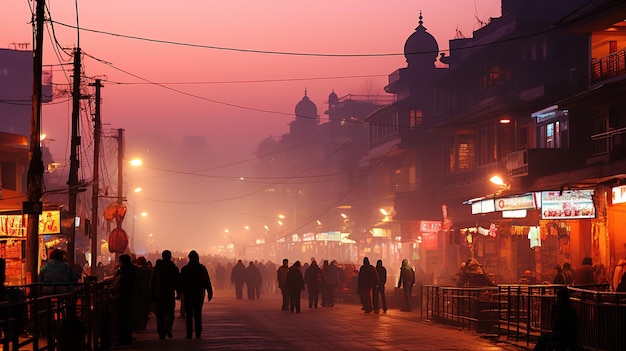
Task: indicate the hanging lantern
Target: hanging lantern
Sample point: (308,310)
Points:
(118,241)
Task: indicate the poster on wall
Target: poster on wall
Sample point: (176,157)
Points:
(567,204)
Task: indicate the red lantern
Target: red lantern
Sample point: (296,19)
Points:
(118,241)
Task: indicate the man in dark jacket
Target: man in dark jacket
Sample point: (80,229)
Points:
(312,279)
(367,282)
(295,285)
(163,287)
(253,281)
(379,292)
(281,277)
(195,280)
(123,283)
(406,282)
(237,277)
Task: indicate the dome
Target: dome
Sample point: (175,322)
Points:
(421,48)
(306,109)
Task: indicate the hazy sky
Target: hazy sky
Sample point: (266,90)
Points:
(231,71)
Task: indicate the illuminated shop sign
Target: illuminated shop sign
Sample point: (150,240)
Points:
(328,236)
(618,194)
(430,226)
(50,222)
(514,214)
(11,225)
(483,206)
(568,204)
(523,202)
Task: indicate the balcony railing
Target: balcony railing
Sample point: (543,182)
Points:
(605,143)
(608,67)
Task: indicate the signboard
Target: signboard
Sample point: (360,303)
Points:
(11,225)
(483,206)
(329,236)
(523,202)
(567,204)
(50,222)
(430,226)
(430,241)
(618,194)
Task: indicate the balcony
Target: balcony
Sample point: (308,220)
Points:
(611,143)
(608,67)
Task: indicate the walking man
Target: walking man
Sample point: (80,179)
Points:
(194,281)
(163,288)
(367,282)
(281,277)
(295,285)
(237,277)
(379,292)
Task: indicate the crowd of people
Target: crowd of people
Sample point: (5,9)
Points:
(140,288)
(588,274)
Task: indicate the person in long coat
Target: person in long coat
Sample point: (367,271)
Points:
(195,281)
(164,286)
(295,285)
(281,277)
(406,282)
(237,277)
(367,282)
(253,281)
(312,279)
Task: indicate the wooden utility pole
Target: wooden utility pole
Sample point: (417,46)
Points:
(96,181)
(32,207)
(74,162)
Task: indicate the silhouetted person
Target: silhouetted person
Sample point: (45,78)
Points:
(57,271)
(141,294)
(163,290)
(406,282)
(563,323)
(237,277)
(584,274)
(312,280)
(195,281)
(281,278)
(331,282)
(569,273)
(253,281)
(379,292)
(367,282)
(559,276)
(295,285)
(123,284)
(3,279)
(220,276)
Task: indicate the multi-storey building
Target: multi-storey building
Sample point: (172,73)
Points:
(485,110)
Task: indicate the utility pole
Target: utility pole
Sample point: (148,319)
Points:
(120,166)
(74,162)
(33,206)
(96,181)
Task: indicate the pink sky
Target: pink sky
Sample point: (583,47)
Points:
(162,116)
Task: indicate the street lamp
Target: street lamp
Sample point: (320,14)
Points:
(497,180)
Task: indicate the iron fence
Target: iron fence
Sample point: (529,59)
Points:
(521,313)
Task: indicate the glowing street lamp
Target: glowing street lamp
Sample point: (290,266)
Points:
(136,162)
(497,180)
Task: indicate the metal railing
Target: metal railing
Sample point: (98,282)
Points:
(521,313)
(48,317)
(607,67)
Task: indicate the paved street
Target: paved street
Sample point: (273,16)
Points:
(231,324)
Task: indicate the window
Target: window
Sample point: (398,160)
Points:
(494,75)
(415,118)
